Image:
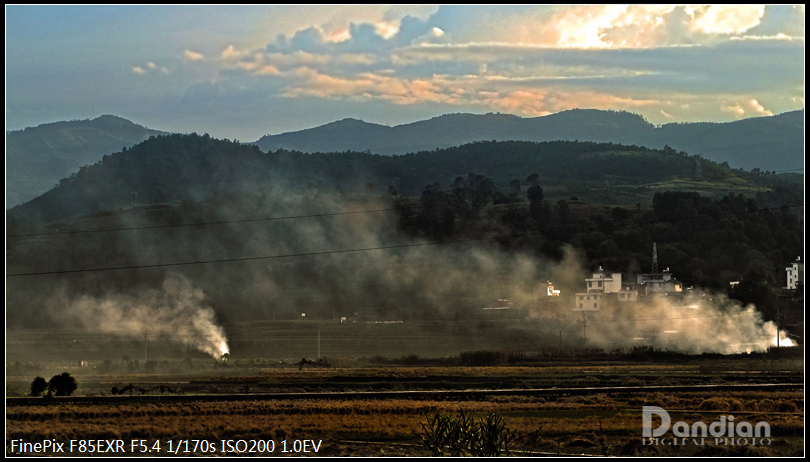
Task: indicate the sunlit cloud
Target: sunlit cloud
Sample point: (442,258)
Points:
(671,62)
(729,19)
(735,110)
(232,54)
(760,109)
(190,55)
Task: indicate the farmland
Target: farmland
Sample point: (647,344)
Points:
(358,405)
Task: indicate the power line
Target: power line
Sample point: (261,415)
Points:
(207,223)
(365,249)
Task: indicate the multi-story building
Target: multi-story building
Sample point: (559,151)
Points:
(604,288)
(795,273)
(658,283)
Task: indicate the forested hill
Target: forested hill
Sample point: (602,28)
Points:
(767,143)
(193,168)
(38,157)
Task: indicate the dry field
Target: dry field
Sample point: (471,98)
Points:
(595,424)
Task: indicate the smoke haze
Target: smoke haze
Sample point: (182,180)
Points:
(177,312)
(413,282)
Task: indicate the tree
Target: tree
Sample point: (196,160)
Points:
(755,288)
(62,384)
(515,184)
(536,206)
(38,386)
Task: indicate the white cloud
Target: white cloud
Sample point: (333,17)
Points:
(730,19)
(232,54)
(759,109)
(736,110)
(190,55)
(149,68)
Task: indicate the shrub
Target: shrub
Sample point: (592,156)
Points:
(464,435)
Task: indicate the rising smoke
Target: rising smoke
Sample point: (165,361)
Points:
(177,312)
(689,324)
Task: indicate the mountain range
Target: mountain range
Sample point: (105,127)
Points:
(768,143)
(38,157)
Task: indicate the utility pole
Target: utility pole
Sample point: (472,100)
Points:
(319,344)
(655,260)
(584,330)
(145,349)
(780,319)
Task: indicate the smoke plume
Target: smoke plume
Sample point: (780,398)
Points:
(177,312)
(685,323)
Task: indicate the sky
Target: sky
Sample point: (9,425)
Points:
(241,72)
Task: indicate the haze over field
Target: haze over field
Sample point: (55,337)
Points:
(404,279)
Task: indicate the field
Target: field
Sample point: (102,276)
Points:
(553,401)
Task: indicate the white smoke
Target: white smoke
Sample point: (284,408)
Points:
(688,324)
(177,312)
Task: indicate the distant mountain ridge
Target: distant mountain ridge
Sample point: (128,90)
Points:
(768,143)
(38,157)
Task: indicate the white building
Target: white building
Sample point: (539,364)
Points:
(604,287)
(591,301)
(795,273)
(659,283)
(551,291)
(605,282)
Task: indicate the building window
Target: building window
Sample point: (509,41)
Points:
(599,284)
(590,284)
(580,306)
(594,306)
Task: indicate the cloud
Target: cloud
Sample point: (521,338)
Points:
(190,55)
(759,109)
(729,19)
(787,20)
(675,62)
(151,67)
(231,54)
(739,110)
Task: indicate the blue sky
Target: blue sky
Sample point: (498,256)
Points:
(240,72)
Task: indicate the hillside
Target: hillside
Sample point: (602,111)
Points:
(192,167)
(767,143)
(38,157)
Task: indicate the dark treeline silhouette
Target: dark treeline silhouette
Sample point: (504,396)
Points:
(197,167)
